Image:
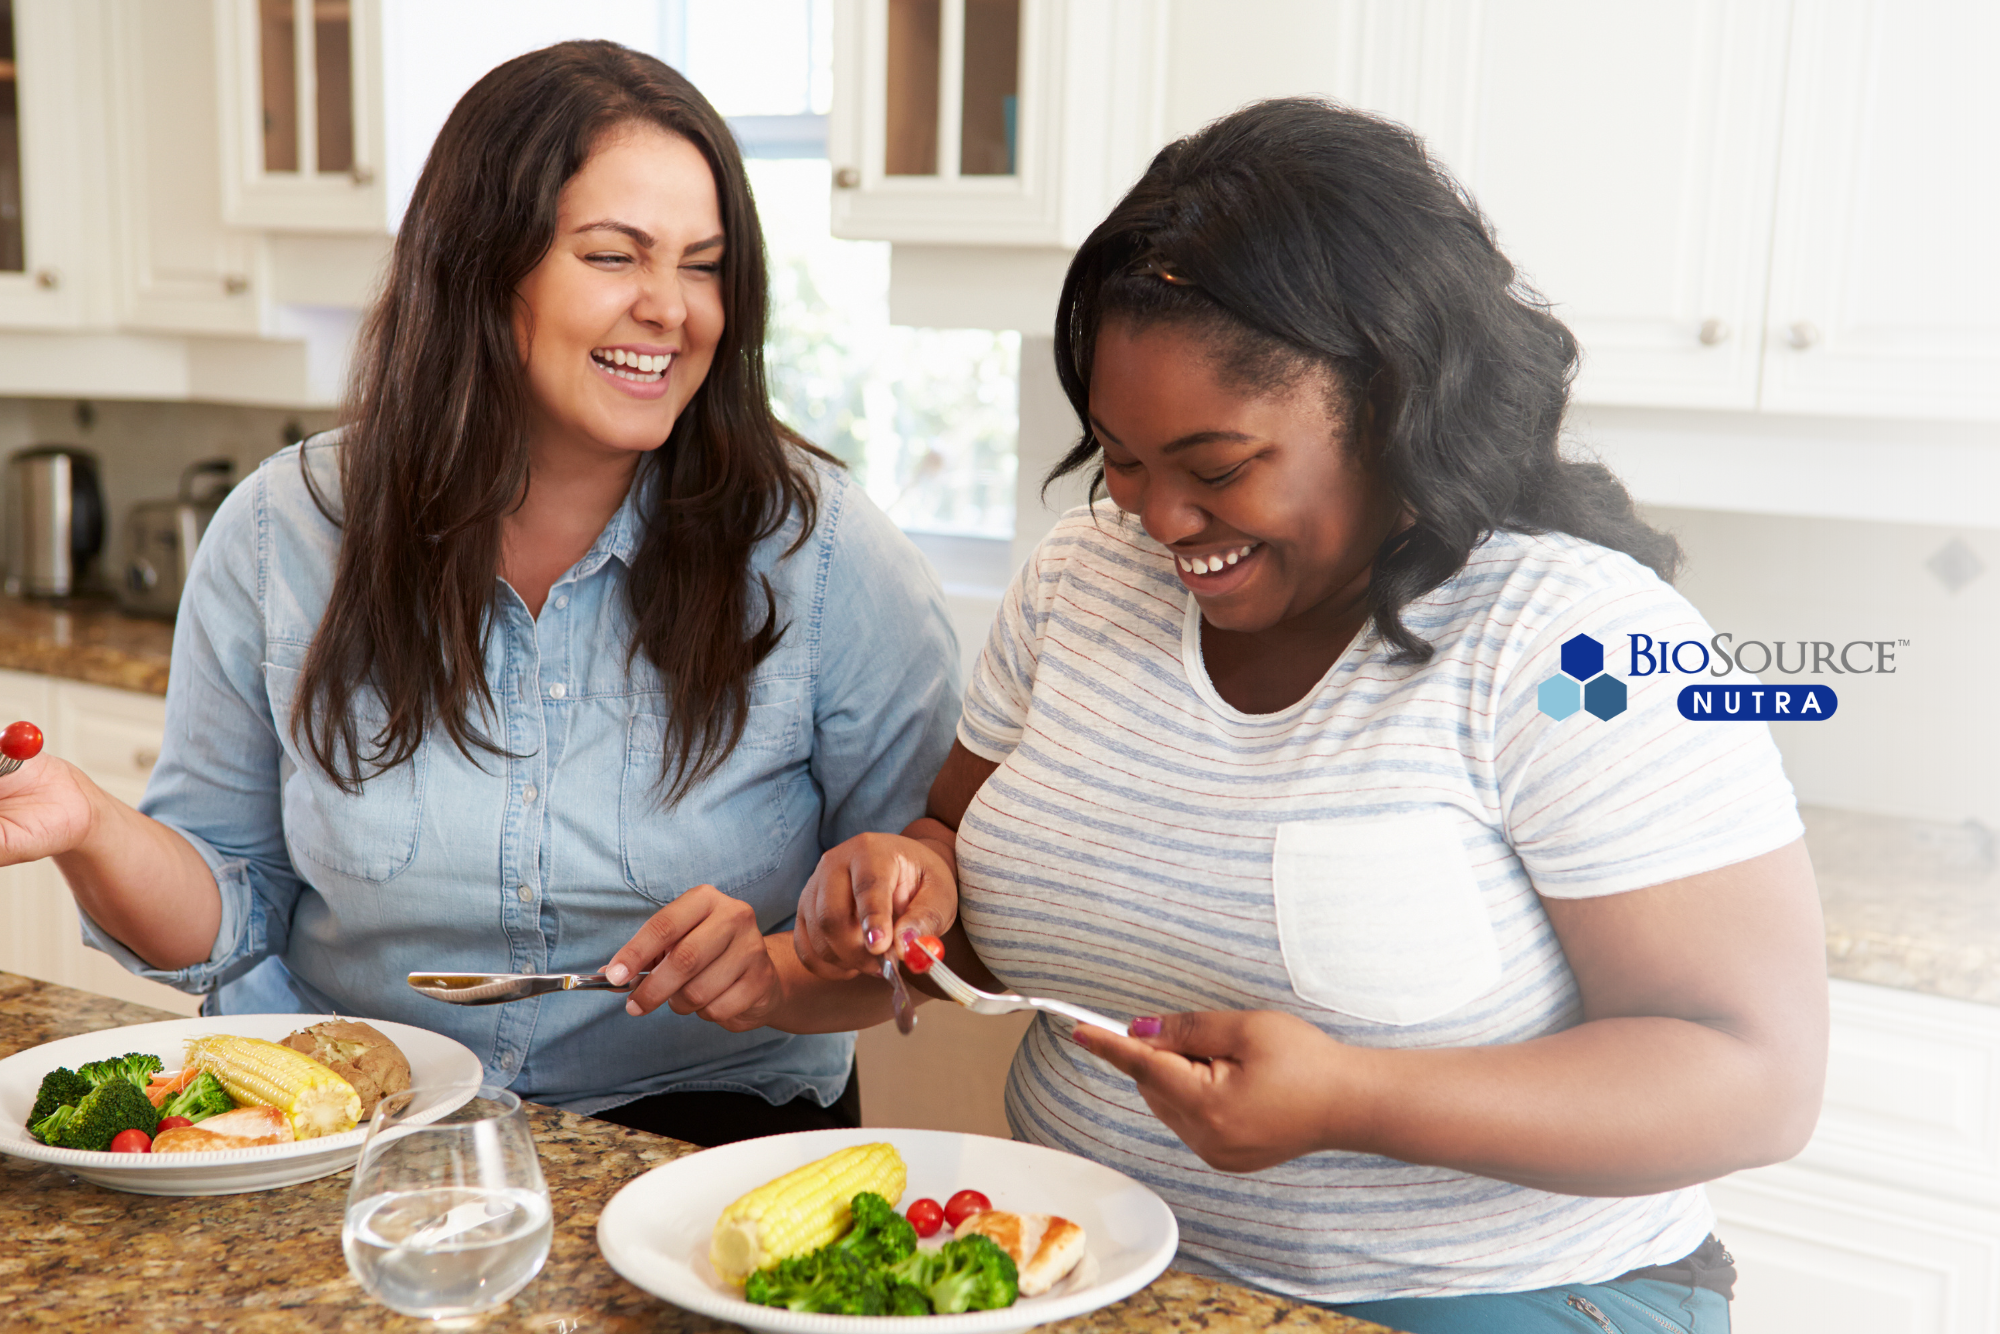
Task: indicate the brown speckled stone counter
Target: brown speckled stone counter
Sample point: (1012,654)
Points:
(78,1257)
(85,640)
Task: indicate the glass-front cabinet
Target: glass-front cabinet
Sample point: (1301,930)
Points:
(300,114)
(46,222)
(989,122)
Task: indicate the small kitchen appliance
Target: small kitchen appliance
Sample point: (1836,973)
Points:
(54,520)
(161,535)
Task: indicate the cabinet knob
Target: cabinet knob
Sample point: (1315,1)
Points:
(361,175)
(48,279)
(1802,335)
(1713,332)
(235,284)
(144,758)
(846,178)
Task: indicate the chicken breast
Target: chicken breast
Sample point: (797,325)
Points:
(1044,1247)
(244,1128)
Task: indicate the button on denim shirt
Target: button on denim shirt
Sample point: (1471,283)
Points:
(549,858)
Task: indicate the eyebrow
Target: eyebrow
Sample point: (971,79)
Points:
(643,238)
(1180,443)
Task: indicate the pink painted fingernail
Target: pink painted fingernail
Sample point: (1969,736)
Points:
(1146,1027)
(632,1008)
(1076,1036)
(871,936)
(616,974)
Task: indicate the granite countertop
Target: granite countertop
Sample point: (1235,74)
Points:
(85,639)
(1910,904)
(80,1257)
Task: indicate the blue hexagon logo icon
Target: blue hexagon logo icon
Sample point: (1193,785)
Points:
(1604,698)
(1559,697)
(1583,657)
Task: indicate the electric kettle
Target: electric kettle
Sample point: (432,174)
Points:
(54,521)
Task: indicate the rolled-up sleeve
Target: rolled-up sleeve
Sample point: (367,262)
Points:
(217,782)
(886,694)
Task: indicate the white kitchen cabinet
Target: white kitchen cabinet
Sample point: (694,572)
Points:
(56,279)
(1889,1222)
(990,122)
(114,737)
(1885,283)
(301,128)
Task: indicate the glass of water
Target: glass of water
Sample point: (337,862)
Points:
(448,1214)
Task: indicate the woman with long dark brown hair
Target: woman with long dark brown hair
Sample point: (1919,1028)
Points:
(561,627)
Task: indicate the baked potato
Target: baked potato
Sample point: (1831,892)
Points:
(360,1054)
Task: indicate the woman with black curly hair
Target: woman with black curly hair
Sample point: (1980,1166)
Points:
(1461,961)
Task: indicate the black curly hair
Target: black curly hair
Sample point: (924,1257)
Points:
(1298,237)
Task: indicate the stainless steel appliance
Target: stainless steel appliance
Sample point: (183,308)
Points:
(55,520)
(161,535)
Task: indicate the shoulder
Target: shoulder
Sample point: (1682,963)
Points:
(1101,540)
(1530,582)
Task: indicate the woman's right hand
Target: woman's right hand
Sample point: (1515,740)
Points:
(44,810)
(866,893)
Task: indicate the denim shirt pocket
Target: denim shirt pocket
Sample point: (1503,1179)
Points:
(733,828)
(370,835)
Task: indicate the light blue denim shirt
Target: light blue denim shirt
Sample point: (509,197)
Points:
(549,860)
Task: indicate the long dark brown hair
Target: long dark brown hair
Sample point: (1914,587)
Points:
(435,450)
(1295,236)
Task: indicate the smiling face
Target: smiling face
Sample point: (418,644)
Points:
(1272,519)
(619,321)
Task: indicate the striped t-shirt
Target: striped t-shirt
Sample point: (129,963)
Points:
(1368,859)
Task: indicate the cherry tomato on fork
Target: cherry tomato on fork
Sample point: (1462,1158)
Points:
(926,1216)
(963,1206)
(21,741)
(920,952)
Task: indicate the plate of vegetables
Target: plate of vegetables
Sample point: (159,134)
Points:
(864,1231)
(267,1100)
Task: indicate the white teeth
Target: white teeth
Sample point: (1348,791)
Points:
(620,357)
(640,367)
(1214,564)
(1233,557)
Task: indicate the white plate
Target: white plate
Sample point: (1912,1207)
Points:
(434,1059)
(655,1231)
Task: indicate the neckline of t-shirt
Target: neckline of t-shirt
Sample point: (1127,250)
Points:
(1197,670)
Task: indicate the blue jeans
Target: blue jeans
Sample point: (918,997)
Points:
(1631,1306)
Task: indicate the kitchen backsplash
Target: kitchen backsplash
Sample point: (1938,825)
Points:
(1916,743)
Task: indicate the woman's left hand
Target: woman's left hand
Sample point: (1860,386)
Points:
(708,958)
(1245,1089)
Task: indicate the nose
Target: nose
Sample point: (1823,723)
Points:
(1169,513)
(659,303)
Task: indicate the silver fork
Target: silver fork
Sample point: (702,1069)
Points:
(1006,1002)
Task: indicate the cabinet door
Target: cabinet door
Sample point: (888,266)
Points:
(989,122)
(184,272)
(1625,155)
(1885,281)
(52,251)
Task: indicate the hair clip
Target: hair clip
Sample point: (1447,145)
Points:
(1158,266)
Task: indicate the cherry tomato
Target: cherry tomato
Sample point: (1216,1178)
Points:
(172,1123)
(963,1206)
(926,1216)
(21,741)
(132,1141)
(915,957)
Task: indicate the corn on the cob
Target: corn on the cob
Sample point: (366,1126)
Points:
(802,1210)
(314,1099)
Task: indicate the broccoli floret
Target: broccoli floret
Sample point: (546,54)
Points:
(827,1280)
(905,1299)
(880,1236)
(61,1087)
(50,1128)
(968,1274)
(202,1098)
(136,1067)
(114,1106)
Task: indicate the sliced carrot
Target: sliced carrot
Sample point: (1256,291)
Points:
(165,1086)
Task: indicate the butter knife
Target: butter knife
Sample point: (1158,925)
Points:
(899,996)
(498,988)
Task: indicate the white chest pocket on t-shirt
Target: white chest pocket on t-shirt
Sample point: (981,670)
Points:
(1382,918)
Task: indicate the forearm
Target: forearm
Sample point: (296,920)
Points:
(818,1005)
(1621,1106)
(143,883)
